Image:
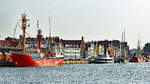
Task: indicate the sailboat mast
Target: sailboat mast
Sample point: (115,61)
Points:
(38,25)
(122,45)
(49,26)
(124,36)
(14,31)
(139,52)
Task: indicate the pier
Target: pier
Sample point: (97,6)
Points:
(75,62)
(7,49)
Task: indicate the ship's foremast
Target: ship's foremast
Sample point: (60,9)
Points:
(24,26)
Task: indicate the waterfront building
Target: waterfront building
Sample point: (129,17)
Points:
(116,48)
(91,49)
(31,43)
(73,49)
(10,42)
(100,48)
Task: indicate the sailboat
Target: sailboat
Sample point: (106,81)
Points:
(25,59)
(138,57)
(123,52)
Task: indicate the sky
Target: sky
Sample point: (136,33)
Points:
(72,19)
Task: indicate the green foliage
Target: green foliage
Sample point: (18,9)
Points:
(147,48)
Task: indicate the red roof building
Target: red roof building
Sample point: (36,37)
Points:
(10,42)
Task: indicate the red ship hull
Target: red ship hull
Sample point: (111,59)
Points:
(136,59)
(25,60)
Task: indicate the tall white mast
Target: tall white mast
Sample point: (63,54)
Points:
(38,25)
(139,51)
(124,36)
(14,31)
(122,45)
(49,26)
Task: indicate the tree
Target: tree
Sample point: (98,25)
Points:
(146,48)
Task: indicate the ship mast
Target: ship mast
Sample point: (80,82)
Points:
(50,39)
(122,45)
(139,51)
(124,33)
(39,37)
(24,26)
(49,26)
(38,25)
(14,31)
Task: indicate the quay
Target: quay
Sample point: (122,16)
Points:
(5,60)
(75,62)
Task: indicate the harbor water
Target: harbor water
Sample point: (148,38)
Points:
(130,73)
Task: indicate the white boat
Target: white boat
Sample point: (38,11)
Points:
(104,59)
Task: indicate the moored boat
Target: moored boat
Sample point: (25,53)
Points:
(103,59)
(138,57)
(25,59)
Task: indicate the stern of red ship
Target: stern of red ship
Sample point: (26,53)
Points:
(136,59)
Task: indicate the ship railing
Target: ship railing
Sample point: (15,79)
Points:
(53,58)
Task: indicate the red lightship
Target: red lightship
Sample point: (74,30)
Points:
(36,59)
